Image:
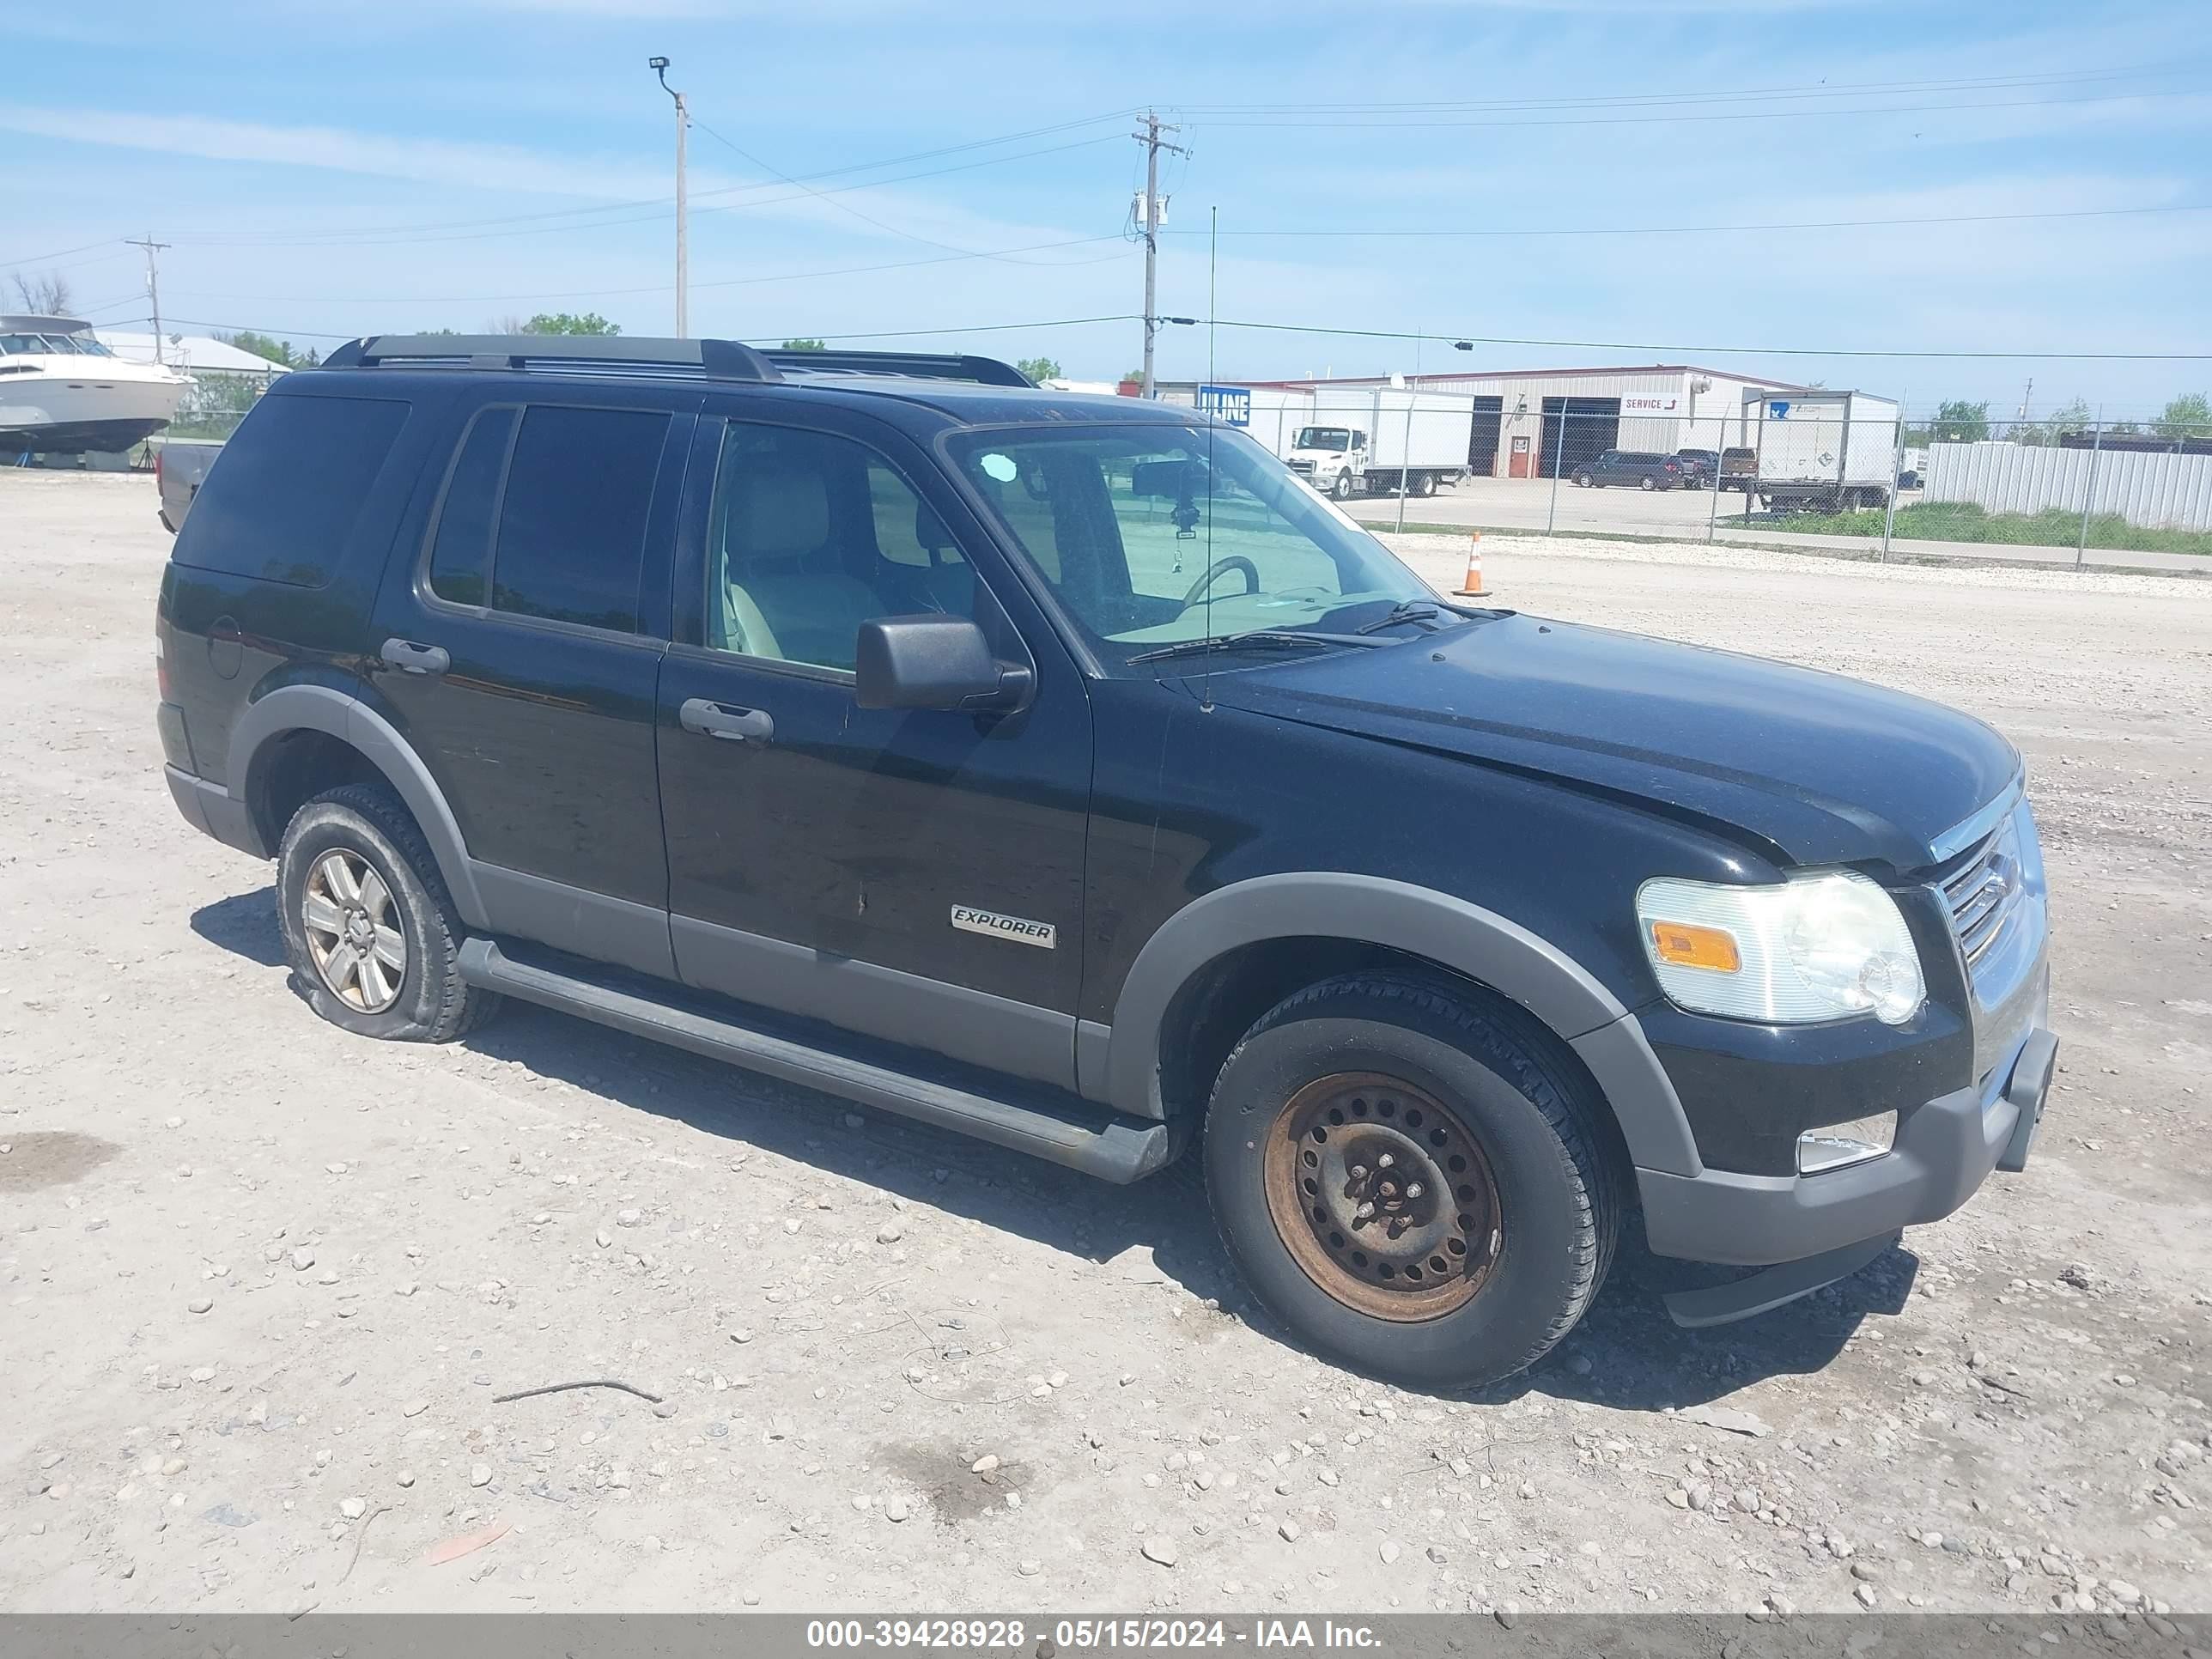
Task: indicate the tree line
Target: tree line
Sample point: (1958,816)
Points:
(1958,421)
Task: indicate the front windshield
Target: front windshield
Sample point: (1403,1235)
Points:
(1335,439)
(1154,534)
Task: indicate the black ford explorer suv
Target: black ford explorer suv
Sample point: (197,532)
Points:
(1060,770)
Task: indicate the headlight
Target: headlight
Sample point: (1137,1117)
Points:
(1815,947)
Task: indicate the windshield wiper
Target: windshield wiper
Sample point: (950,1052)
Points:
(1270,639)
(1407,611)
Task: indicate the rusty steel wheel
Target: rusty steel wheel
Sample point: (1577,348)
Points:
(1384,1196)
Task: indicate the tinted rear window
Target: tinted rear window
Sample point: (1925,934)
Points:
(282,498)
(572,524)
(461,553)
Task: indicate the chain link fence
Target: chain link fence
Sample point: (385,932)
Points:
(1831,468)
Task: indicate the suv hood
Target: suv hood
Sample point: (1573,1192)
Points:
(1820,769)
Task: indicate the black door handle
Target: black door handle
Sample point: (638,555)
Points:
(719,719)
(413,658)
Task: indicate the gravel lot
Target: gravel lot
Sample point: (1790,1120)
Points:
(263,1280)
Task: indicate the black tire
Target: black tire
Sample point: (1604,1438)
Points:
(1647,482)
(1557,1197)
(1344,488)
(432,1004)
(1424,485)
(1583,481)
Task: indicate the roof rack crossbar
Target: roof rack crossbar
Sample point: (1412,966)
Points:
(911,365)
(721,359)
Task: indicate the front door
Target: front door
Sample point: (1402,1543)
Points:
(911,876)
(519,652)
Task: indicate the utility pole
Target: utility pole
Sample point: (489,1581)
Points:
(2025,396)
(1150,224)
(659,67)
(153,286)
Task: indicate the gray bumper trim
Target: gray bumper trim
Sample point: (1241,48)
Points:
(210,807)
(1945,1149)
(1769,1288)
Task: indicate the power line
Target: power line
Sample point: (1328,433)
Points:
(847,208)
(531,223)
(1820,89)
(926,333)
(279,331)
(1309,123)
(652,288)
(1744,351)
(1705,230)
(60,253)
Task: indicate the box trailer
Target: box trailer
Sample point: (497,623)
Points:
(1348,441)
(1383,438)
(1818,450)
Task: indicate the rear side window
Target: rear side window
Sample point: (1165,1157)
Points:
(571,538)
(460,555)
(282,500)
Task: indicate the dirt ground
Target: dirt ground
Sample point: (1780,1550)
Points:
(262,1280)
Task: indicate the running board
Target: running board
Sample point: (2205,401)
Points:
(1114,1150)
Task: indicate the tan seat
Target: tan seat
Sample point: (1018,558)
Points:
(788,594)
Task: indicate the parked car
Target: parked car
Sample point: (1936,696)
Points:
(1630,466)
(181,466)
(882,724)
(1739,468)
(1700,467)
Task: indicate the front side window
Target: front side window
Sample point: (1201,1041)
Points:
(1152,536)
(570,545)
(809,536)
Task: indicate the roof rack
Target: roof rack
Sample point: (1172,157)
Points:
(726,360)
(720,359)
(908,365)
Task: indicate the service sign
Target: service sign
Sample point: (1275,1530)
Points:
(1229,403)
(1648,405)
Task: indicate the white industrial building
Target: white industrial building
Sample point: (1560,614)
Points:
(1527,422)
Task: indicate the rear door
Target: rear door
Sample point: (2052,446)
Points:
(518,651)
(913,876)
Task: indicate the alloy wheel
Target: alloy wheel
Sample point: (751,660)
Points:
(353,933)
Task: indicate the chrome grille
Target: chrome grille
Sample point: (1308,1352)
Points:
(1985,892)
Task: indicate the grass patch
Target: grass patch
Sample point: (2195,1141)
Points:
(1952,521)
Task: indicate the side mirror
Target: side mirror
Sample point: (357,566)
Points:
(933,661)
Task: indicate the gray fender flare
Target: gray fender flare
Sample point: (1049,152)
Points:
(320,709)
(1486,947)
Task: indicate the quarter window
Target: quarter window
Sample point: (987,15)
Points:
(461,554)
(571,538)
(286,495)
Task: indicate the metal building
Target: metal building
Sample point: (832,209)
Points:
(1527,422)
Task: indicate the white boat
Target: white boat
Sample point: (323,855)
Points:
(62,392)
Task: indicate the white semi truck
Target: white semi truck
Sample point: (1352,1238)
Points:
(1824,451)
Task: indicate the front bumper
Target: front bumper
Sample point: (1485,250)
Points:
(1945,1149)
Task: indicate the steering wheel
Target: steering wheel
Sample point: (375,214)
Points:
(1234,561)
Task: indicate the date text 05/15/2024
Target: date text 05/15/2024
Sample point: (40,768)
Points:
(1073,1636)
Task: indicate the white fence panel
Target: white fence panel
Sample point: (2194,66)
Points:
(2156,491)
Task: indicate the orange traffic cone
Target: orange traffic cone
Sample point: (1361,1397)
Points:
(1472,588)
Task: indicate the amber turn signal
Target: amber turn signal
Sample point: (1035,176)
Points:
(1693,946)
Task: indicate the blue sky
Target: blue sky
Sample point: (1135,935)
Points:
(413,164)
